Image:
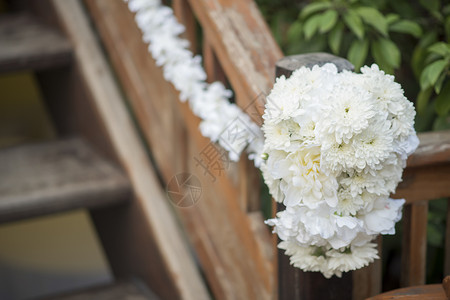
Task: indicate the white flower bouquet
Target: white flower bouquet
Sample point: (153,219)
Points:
(335,148)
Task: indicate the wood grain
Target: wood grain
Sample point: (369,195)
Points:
(367,281)
(243,44)
(125,290)
(429,292)
(447,242)
(144,239)
(28,44)
(434,148)
(51,177)
(424,183)
(218,228)
(185,16)
(414,244)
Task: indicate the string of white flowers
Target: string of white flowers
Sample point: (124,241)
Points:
(210,102)
(336,145)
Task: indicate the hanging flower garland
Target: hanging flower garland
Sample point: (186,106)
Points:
(210,102)
(334,144)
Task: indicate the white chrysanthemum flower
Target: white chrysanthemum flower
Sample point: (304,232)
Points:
(348,204)
(309,185)
(346,112)
(352,258)
(337,158)
(305,258)
(383,88)
(373,146)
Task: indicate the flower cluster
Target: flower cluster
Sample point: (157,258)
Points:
(336,145)
(210,102)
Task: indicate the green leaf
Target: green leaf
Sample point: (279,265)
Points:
(424,120)
(355,24)
(440,48)
(374,18)
(329,19)
(294,32)
(358,52)
(431,5)
(440,82)
(441,123)
(391,18)
(406,26)
(447,27)
(422,100)
(313,8)
(335,38)
(431,73)
(386,51)
(311,25)
(442,103)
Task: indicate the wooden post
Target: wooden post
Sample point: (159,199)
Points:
(295,284)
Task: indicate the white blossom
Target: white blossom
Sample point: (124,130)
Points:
(336,145)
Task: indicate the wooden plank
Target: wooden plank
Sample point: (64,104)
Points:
(56,176)
(218,229)
(127,290)
(426,182)
(447,242)
(414,244)
(367,281)
(434,148)
(211,64)
(185,16)
(244,45)
(446,286)
(144,239)
(429,292)
(28,44)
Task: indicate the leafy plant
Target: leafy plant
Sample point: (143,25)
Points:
(355,29)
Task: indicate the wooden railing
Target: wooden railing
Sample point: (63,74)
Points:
(235,249)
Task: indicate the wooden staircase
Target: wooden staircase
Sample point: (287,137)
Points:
(97,163)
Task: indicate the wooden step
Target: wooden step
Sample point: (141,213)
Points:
(29,44)
(56,176)
(130,290)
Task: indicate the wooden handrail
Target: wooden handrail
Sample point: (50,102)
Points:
(233,252)
(244,46)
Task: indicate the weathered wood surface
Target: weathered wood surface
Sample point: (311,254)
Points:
(51,177)
(142,239)
(447,243)
(434,148)
(28,44)
(288,64)
(424,183)
(126,290)
(368,281)
(220,231)
(428,292)
(446,286)
(244,46)
(414,244)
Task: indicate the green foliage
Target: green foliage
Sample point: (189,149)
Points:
(410,40)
